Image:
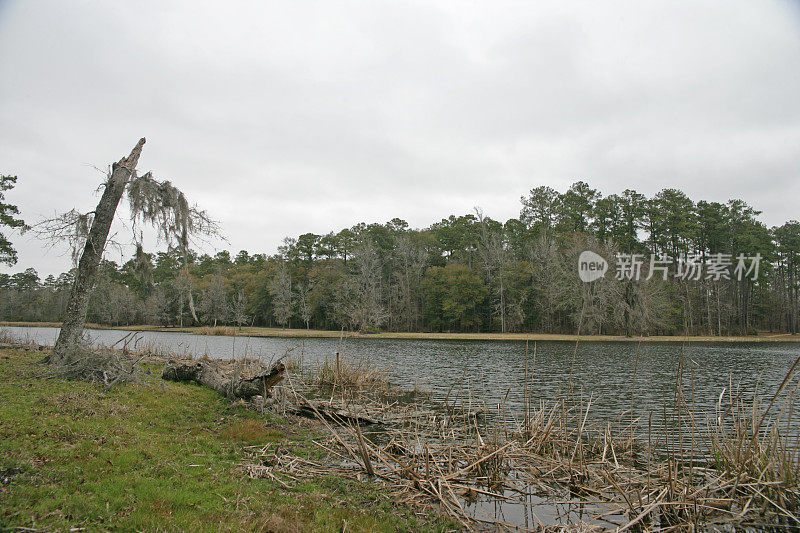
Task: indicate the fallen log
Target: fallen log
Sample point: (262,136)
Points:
(336,413)
(234,379)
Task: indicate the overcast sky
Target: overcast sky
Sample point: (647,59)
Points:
(287,118)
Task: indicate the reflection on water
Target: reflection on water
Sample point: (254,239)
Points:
(492,372)
(530,512)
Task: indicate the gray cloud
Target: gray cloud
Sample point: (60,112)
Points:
(284,118)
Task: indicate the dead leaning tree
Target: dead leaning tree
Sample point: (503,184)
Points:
(157,203)
(163,206)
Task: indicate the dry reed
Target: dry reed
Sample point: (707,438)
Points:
(227,331)
(739,471)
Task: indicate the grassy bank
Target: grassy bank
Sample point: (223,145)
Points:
(160,455)
(317,333)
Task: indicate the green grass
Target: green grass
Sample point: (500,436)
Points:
(159,456)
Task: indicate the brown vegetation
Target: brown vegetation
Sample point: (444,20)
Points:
(215,331)
(739,469)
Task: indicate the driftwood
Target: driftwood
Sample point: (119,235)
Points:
(234,379)
(338,413)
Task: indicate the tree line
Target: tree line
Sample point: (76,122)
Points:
(466,273)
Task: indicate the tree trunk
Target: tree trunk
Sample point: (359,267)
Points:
(185,252)
(627,308)
(226,378)
(75,315)
(191,304)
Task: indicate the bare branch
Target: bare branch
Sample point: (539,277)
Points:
(71,228)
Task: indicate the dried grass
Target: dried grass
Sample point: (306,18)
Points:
(9,339)
(343,374)
(741,471)
(97,364)
(227,331)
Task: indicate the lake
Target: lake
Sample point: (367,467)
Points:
(492,372)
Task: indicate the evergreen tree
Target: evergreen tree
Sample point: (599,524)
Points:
(7,211)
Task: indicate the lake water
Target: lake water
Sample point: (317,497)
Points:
(492,372)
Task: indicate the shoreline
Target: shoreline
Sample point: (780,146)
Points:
(254,331)
(76,455)
(294,470)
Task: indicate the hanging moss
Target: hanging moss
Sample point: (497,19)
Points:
(164,206)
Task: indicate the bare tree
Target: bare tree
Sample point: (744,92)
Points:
(592,303)
(157,203)
(651,311)
(280,288)
(411,259)
(214,301)
(303,304)
(238,310)
(365,306)
(548,275)
(155,308)
(183,287)
(495,257)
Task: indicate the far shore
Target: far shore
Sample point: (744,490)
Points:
(253,331)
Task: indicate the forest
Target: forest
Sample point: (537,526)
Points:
(466,273)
